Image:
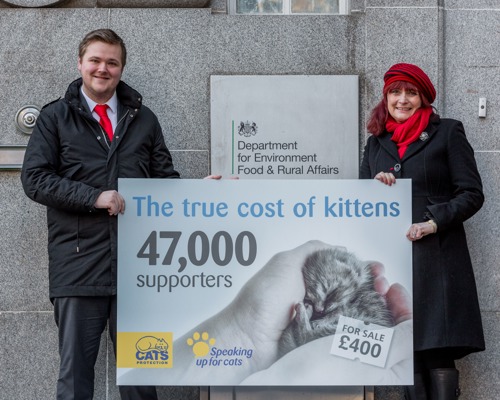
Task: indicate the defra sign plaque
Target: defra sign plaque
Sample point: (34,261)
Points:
(285,127)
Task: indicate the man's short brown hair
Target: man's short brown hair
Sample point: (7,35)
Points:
(102,35)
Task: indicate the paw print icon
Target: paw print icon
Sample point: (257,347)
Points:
(201,343)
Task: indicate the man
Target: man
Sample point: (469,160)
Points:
(72,164)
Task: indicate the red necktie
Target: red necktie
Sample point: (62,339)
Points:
(105,122)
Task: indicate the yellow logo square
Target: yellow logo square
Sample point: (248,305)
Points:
(144,350)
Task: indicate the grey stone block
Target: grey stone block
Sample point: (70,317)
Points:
(482,234)
(467,4)
(192,164)
(466,86)
(30,360)
(109,3)
(286,45)
(218,6)
(23,246)
(28,88)
(79,4)
(37,66)
(29,356)
(400,35)
(479,371)
(466,35)
(405,4)
(105,3)
(152,3)
(170,69)
(471,72)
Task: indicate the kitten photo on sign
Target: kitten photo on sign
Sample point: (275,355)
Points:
(337,283)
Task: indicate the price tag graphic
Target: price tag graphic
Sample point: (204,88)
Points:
(370,343)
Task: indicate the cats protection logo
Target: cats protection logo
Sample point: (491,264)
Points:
(144,350)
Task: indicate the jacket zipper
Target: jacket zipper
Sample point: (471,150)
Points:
(78,234)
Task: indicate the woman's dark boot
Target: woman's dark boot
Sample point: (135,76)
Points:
(418,391)
(444,384)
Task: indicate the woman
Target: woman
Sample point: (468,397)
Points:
(409,140)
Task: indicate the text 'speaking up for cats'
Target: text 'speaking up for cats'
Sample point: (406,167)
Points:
(337,283)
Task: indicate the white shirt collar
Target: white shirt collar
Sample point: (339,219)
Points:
(112,102)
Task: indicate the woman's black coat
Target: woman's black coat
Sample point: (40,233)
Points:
(447,188)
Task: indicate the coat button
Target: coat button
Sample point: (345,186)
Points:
(397,167)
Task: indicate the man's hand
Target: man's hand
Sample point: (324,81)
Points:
(112,201)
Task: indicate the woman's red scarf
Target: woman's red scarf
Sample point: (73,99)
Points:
(409,131)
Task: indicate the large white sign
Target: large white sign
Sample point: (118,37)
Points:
(264,282)
(285,127)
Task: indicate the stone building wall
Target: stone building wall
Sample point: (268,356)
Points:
(172,54)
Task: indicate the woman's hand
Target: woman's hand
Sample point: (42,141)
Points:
(419,230)
(386,178)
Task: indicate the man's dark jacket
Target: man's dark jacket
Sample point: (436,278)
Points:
(68,164)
